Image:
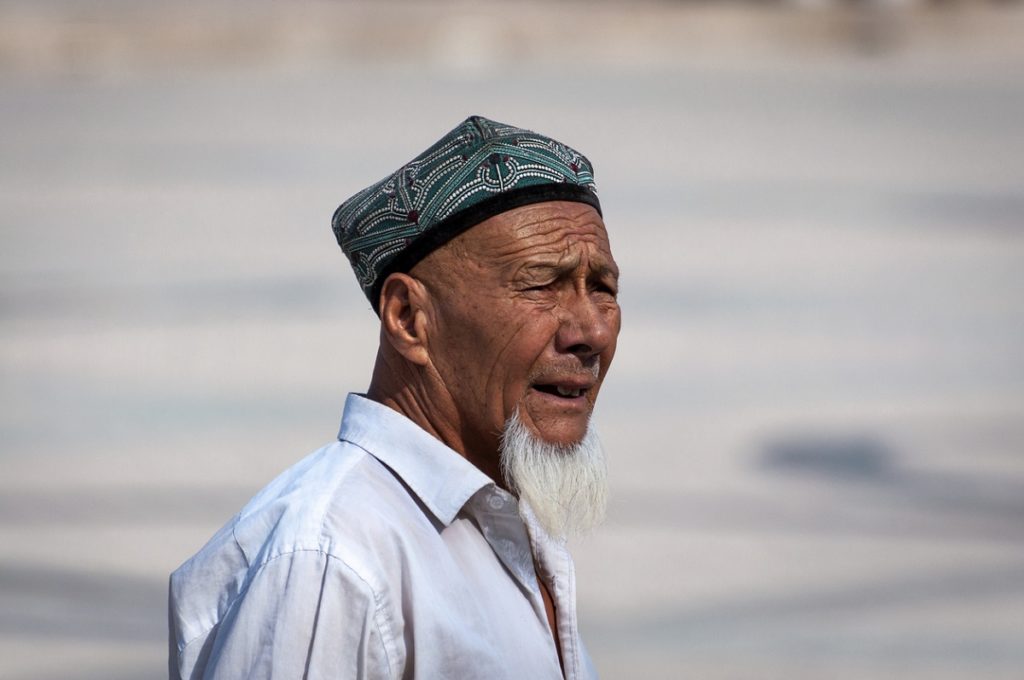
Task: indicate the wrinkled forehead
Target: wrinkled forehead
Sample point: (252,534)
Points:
(540,230)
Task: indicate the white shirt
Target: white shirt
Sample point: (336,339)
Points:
(383,555)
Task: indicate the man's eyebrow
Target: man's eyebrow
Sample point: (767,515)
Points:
(547,266)
(542,269)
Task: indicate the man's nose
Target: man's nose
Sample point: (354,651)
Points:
(587,327)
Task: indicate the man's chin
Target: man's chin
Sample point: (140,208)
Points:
(558,429)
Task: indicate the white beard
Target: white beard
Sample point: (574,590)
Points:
(566,485)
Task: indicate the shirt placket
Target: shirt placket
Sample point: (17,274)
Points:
(555,566)
(497,513)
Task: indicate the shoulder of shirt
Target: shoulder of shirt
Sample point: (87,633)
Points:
(339,501)
(337,490)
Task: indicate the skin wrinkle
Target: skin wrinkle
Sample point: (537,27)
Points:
(524,298)
(402,383)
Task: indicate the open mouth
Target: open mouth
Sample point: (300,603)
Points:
(563,391)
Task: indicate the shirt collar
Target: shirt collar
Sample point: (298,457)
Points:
(441,478)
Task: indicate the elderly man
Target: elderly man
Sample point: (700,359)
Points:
(428,541)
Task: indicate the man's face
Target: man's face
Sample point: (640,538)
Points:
(527,319)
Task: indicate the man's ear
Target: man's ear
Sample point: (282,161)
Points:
(404,316)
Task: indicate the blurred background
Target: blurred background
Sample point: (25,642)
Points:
(816,416)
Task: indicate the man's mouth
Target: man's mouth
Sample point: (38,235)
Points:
(562,390)
(569,386)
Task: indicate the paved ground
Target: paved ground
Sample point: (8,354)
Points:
(815,415)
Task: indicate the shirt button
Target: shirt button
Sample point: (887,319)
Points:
(495,501)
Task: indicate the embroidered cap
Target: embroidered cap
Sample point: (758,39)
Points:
(476,171)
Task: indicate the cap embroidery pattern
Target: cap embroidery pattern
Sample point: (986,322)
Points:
(477,170)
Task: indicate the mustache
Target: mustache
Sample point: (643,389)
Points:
(571,367)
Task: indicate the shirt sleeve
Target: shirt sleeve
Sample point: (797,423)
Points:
(303,615)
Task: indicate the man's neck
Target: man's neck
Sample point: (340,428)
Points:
(404,390)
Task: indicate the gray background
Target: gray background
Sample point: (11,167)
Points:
(815,416)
